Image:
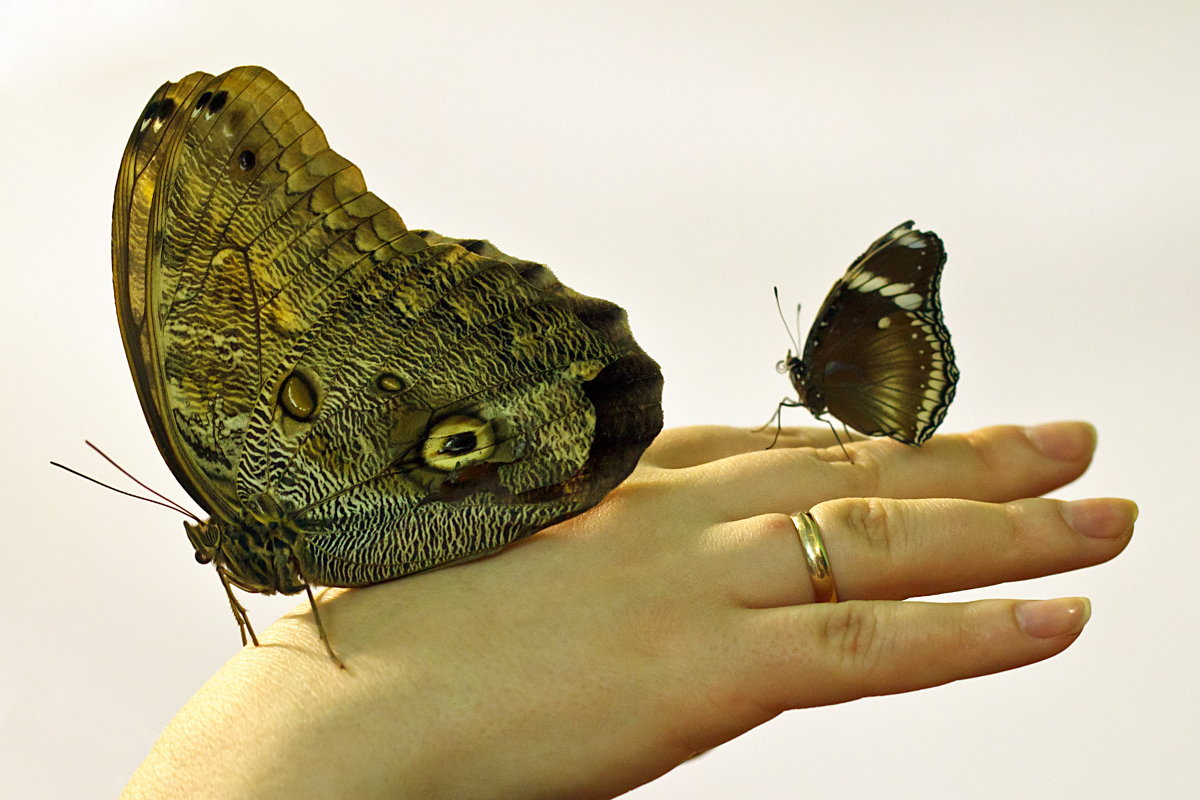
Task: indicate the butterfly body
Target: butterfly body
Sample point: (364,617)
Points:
(258,553)
(878,356)
(350,400)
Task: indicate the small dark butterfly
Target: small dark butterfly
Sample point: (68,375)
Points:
(878,356)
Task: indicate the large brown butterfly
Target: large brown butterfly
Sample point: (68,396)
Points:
(349,400)
(878,356)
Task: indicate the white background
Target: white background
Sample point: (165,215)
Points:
(680,158)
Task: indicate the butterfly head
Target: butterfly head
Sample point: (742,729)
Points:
(797,371)
(256,553)
(206,537)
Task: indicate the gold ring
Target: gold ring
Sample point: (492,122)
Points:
(824,588)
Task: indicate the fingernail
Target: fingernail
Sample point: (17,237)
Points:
(1101,517)
(1046,619)
(1063,441)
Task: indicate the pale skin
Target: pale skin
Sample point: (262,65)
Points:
(674,616)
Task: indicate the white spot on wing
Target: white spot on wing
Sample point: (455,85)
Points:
(895,288)
(876,282)
(862,277)
(909,301)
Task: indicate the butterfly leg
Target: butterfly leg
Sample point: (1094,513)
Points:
(777,418)
(321,627)
(838,439)
(239,611)
(784,403)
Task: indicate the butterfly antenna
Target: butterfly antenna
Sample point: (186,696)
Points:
(171,503)
(163,500)
(786,327)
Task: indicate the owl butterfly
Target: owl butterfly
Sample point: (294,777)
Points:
(878,356)
(349,400)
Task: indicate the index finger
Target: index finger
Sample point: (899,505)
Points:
(994,464)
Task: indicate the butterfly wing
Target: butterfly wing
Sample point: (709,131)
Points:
(299,353)
(144,289)
(879,354)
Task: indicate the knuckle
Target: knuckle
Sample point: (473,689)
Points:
(632,490)
(775,526)
(763,530)
(669,448)
(855,635)
(1020,529)
(993,454)
(644,489)
(980,447)
(867,471)
(827,453)
(646,479)
(873,523)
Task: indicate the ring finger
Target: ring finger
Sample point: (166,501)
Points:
(880,549)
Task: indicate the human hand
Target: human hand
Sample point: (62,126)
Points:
(674,616)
